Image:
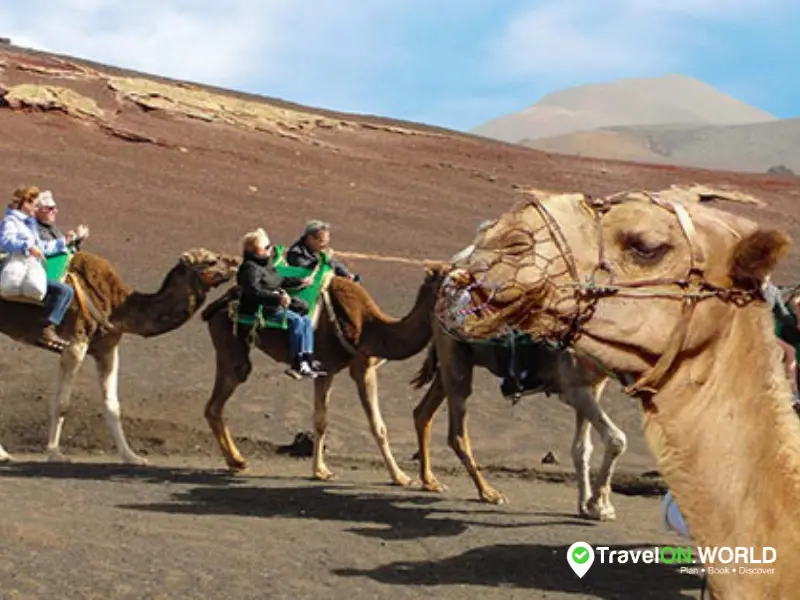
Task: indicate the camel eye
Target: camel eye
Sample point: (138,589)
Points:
(643,251)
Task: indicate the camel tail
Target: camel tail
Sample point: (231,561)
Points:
(427,371)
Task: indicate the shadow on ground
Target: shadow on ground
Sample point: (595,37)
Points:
(402,517)
(538,567)
(118,472)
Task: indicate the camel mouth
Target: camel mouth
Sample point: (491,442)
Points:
(467,306)
(478,310)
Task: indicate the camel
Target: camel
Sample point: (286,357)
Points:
(667,295)
(448,367)
(354,334)
(104,309)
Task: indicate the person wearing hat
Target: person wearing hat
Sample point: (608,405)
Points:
(46,211)
(19,234)
(315,242)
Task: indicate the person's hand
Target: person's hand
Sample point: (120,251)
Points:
(285,299)
(37,252)
(82,231)
(306,281)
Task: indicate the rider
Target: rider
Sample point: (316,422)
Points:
(19,234)
(310,247)
(787,332)
(262,285)
(46,212)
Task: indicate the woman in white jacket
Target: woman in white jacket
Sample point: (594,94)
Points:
(19,234)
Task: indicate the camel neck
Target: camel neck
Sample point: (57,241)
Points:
(728,446)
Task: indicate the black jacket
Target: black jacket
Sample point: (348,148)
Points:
(261,284)
(300,255)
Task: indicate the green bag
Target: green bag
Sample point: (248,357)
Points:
(56,265)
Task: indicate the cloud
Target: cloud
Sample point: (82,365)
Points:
(615,38)
(225,43)
(447,62)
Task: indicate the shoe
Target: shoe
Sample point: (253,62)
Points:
(315,365)
(50,340)
(300,370)
(509,387)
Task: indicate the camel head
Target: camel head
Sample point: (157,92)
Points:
(211,268)
(625,279)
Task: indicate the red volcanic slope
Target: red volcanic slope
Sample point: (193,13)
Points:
(154,173)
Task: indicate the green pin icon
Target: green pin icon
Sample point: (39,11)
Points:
(580,557)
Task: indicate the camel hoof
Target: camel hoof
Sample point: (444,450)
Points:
(492,496)
(135,459)
(237,466)
(433,485)
(324,474)
(402,480)
(598,513)
(57,456)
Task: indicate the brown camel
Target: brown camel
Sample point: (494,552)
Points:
(104,309)
(449,367)
(353,333)
(679,315)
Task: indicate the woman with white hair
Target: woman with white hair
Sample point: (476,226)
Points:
(262,286)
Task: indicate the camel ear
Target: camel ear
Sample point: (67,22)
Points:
(757,255)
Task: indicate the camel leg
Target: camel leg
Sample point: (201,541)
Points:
(71,360)
(615,441)
(581,455)
(5,456)
(423,419)
(322,396)
(586,402)
(108,370)
(458,389)
(365,377)
(225,384)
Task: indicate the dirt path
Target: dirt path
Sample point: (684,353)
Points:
(189,530)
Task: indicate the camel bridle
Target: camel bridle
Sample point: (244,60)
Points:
(586,292)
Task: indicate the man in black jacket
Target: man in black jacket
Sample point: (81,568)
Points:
(314,242)
(262,286)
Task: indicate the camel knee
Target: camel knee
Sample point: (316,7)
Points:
(320,424)
(456,443)
(380,432)
(242,371)
(213,412)
(617,443)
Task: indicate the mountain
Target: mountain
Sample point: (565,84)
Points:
(671,99)
(750,147)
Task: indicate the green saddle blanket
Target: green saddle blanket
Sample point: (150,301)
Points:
(310,295)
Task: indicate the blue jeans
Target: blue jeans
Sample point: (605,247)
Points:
(301,332)
(57,300)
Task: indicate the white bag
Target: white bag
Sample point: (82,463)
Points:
(23,278)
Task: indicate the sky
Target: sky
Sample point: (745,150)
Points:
(453,63)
